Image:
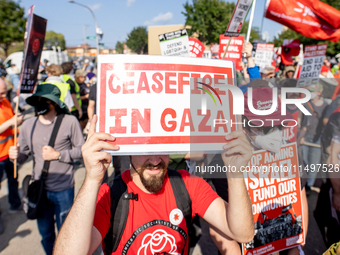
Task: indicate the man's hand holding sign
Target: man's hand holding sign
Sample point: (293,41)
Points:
(148,182)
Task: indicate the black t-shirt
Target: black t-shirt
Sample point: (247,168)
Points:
(93,95)
(84,90)
(72,86)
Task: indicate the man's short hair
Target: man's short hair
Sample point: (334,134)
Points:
(67,67)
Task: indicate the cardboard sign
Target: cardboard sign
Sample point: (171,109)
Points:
(196,48)
(289,133)
(237,19)
(234,52)
(312,63)
(175,43)
(264,54)
(33,45)
(154,104)
(274,188)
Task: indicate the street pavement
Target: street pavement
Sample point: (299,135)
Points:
(21,236)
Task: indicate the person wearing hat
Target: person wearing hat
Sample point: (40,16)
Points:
(33,139)
(311,129)
(87,67)
(289,72)
(74,89)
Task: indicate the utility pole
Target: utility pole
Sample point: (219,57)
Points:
(84,41)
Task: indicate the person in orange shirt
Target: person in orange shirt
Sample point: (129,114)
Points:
(7,122)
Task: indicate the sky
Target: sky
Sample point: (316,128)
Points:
(117,18)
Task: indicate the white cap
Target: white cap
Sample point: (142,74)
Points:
(86,61)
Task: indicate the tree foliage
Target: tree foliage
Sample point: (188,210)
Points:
(210,18)
(138,40)
(332,48)
(54,39)
(120,47)
(12,23)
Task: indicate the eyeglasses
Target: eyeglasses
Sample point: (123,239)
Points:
(266,130)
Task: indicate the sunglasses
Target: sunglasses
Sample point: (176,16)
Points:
(266,130)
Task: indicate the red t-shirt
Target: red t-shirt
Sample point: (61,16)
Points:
(154,223)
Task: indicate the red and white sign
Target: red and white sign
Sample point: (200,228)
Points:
(237,18)
(274,188)
(312,64)
(264,54)
(196,48)
(289,133)
(300,16)
(234,52)
(153,104)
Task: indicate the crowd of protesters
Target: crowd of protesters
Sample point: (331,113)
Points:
(70,89)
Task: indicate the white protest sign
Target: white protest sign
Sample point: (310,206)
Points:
(237,19)
(264,54)
(175,43)
(312,63)
(155,104)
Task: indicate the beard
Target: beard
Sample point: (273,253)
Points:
(153,183)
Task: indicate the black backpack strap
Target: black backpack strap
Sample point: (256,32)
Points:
(119,213)
(120,207)
(182,196)
(51,143)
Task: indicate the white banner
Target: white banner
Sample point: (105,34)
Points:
(156,104)
(264,54)
(175,43)
(312,63)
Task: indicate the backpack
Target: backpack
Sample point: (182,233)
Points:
(120,207)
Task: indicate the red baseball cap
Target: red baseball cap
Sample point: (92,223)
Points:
(263,100)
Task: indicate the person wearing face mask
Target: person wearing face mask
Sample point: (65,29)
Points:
(33,139)
(310,133)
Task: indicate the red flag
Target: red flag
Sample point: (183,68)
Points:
(299,16)
(326,12)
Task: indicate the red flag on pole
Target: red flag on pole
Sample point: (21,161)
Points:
(300,16)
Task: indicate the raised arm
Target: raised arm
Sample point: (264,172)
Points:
(77,235)
(234,219)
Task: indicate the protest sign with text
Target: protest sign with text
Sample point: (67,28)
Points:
(153,104)
(234,52)
(312,63)
(196,48)
(237,19)
(289,133)
(273,185)
(175,43)
(264,54)
(33,45)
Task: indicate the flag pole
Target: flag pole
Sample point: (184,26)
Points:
(16,129)
(251,21)
(226,49)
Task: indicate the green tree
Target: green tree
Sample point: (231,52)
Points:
(254,32)
(54,39)
(12,23)
(138,40)
(210,18)
(333,47)
(119,47)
